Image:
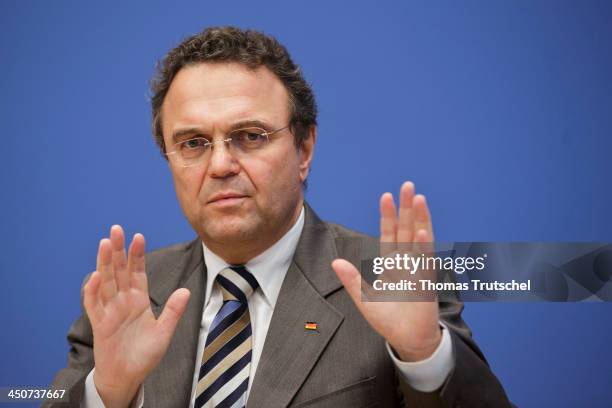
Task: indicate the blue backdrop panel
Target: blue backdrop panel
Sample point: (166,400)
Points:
(499,111)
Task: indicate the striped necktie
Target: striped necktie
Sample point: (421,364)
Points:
(224,371)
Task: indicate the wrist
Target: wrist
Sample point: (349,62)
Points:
(420,352)
(115,394)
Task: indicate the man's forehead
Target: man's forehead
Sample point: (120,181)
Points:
(214,81)
(210,91)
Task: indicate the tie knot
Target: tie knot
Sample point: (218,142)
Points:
(237,283)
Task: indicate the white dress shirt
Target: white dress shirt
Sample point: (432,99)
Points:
(270,268)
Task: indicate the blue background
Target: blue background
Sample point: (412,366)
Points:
(499,111)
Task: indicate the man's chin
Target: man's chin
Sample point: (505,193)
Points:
(228,229)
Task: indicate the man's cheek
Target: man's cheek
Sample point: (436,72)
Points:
(259,179)
(190,183)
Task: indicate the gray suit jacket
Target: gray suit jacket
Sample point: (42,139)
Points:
(344,364)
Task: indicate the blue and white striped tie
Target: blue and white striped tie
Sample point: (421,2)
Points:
(224,371)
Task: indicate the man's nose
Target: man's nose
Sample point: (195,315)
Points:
(222,161)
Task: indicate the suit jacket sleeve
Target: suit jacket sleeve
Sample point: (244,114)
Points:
(80,361)
(471,383)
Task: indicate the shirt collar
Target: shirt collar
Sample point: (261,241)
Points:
(269,267)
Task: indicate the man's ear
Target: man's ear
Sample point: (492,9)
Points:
(306,152)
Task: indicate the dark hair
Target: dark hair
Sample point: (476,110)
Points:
(251,48)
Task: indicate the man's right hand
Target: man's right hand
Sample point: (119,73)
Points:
(129,342)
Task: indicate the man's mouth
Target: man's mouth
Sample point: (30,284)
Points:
(226,198)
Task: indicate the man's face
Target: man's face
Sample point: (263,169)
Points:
(240,200)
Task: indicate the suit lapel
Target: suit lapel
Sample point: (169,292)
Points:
(171,382)
(290,351)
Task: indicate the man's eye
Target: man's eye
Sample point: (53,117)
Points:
(249,139)
(192,144)
(253,136)
(248,135)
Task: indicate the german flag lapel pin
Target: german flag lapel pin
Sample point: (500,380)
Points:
(311,327)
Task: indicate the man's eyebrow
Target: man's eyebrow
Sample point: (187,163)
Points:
(249,123)
(177,134)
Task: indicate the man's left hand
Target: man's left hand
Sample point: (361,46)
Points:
(410,327)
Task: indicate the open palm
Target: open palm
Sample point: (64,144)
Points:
(129,341)
(410,327)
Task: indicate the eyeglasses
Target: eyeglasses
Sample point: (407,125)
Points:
(241,143)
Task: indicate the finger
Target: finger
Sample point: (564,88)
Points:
(388,218)
(422,217)
(174,309)
(423,236)
(108,287)
(91,300)
(136,264)
(117,238)
(405,226)
(351,279)
(424,244)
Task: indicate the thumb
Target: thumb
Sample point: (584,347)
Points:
(350,278)
(174,309)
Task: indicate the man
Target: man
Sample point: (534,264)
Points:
(261,309)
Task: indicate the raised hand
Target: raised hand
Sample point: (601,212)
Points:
(410,327)
(129,342)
